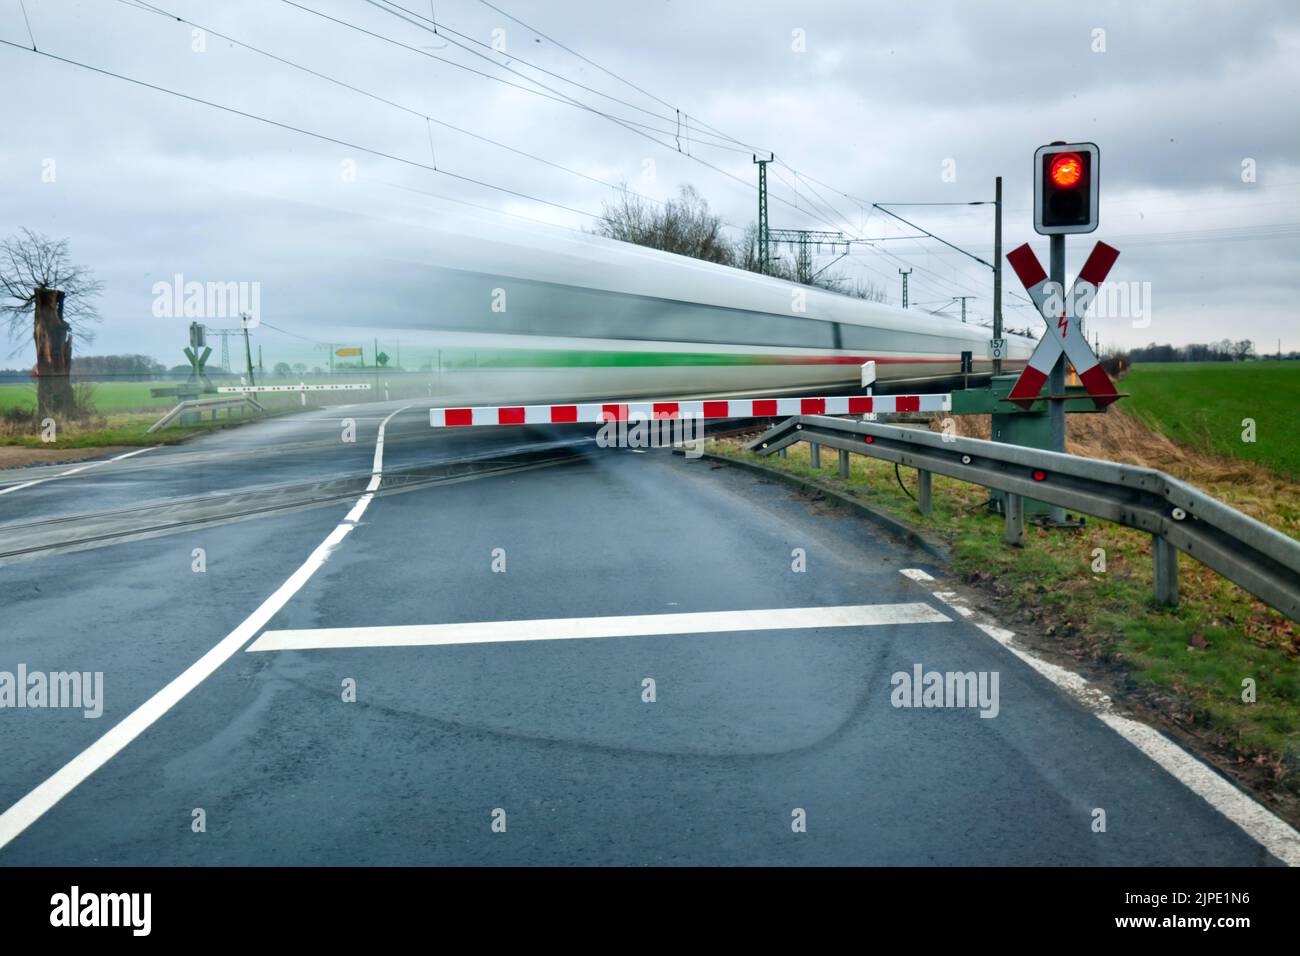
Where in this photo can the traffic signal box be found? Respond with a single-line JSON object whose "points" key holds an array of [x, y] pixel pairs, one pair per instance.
{"points": [[1066, 193]]}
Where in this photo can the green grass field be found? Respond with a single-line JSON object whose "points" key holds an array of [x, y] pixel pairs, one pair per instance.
{"points": [[109, 396], [1202, 405], [135, 397]]}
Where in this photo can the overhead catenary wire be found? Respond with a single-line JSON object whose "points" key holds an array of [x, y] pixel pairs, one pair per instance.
{"points": [[298, 129], [398, 11], [429, 120], [566, 97], [819, 210], [567, 101]]}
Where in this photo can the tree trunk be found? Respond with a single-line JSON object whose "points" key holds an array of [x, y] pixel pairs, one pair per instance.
{"points": [[54, 396]]}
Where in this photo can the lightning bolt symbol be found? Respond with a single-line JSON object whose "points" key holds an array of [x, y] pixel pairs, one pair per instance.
{"points": [[1064, 325]]}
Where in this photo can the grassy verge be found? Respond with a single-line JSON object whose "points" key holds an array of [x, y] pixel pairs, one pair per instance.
{"points": [[127, 428], [1181, 668]]}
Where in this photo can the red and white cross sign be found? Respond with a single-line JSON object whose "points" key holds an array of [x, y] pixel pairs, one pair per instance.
{"points": [[1066, 334]]}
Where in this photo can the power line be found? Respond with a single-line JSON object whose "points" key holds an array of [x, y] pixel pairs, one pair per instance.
{"points": [[818, 210], [563, 99], [566, 97], [294, 334], [819, 214], [387, 7], [142, 5], [388, 4], [298, 129]]}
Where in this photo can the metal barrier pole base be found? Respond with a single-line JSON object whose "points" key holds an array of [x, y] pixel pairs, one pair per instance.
{"points": [[1165, 579], [1015, 509], [844, 463], [815, 454]]}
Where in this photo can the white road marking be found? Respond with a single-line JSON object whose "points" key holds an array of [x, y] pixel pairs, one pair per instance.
{"points": [[954, 601], [67, 778], [574, 628], [916, 574], [73, 471], [1274, 834]]}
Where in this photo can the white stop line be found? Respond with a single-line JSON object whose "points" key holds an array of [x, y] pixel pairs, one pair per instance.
{"points": [[577, 628]]}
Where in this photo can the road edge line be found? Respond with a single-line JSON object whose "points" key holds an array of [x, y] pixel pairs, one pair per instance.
{"points": [[1253, 818], [39, 801]]}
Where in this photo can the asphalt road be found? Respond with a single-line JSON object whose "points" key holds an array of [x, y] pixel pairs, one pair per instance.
{"points": [[750, 731]]}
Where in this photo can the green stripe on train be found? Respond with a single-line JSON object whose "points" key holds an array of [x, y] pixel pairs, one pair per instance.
{"points": [[572, 358]]}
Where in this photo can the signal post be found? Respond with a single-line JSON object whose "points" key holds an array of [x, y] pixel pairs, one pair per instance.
{"points": [[1066, 199]]}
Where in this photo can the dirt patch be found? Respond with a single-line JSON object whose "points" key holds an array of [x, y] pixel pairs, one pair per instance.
{"points": [[20, 456], [1118, 436]]}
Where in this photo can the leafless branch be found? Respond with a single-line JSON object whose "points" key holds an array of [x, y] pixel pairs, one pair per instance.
{"points": [[31, 261]]}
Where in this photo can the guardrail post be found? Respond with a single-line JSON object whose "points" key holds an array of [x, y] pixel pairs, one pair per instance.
{"points": [[844, 463], [1165, 579], [781, 453], [1015, 531], [923, 498], [815, 454]]}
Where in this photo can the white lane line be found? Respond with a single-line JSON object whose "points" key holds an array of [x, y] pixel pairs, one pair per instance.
{"points": [[73, 471], [67, 778], [575, 628], [916, 574], [1274, 834]]}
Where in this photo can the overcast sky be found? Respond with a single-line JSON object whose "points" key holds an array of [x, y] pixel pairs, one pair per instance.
{"points": [[867, 101]]}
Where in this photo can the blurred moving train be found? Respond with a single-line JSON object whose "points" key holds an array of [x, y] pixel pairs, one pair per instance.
{"points": [[576, 317]]}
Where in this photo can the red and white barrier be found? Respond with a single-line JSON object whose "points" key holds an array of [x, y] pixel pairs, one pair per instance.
{"points": [[599, 412], [293, 388]]}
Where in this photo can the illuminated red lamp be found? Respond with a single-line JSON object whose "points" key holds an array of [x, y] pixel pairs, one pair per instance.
{"points": [[1067, 170], [1040, 476], [868, 439]]}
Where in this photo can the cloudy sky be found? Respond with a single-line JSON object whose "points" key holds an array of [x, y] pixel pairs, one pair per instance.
{"points": [[861, 101]]}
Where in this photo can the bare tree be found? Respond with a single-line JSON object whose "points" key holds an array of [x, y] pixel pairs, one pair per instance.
{"points": [[854, 288], [41, 287], [683, 225], [868, 290]]}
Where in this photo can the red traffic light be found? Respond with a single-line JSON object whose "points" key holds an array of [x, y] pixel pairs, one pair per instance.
{"points": [[1066, 197], [1067, 170]]}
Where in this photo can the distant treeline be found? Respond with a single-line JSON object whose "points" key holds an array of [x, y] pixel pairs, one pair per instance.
{"points": [[123, 368], [1225, 350]]}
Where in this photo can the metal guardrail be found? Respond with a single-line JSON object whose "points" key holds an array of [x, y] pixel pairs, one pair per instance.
{"points": [[201, 405], [1178, 516]]}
